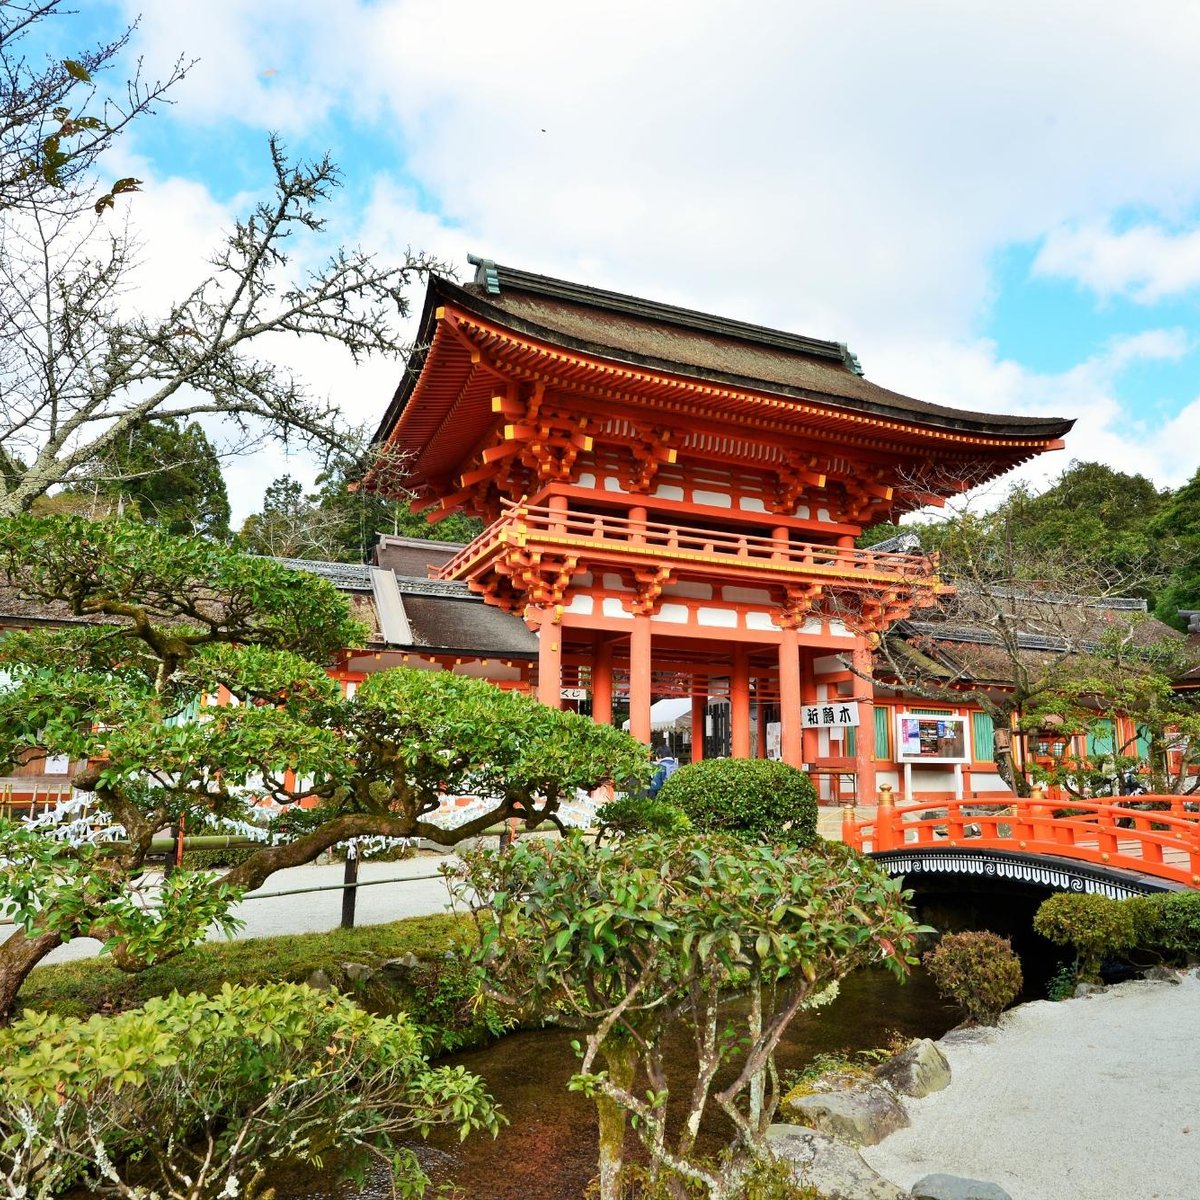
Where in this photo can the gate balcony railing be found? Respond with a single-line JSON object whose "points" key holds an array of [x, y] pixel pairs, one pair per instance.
{"points": [[608, 538]]}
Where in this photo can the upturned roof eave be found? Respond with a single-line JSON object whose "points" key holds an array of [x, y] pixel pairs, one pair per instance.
{"points": [[413, 366], [1033, 430]]}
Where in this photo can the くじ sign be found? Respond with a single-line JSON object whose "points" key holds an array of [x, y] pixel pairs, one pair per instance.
{"points": [[830, 715]]}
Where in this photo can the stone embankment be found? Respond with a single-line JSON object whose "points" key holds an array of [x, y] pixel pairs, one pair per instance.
{"points": [[1093, 1098]]}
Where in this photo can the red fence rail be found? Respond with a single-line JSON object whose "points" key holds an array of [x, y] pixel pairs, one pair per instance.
{"points": [[1155, 835]]}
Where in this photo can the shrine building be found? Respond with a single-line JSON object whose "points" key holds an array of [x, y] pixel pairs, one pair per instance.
{"points": [[672, 499]]}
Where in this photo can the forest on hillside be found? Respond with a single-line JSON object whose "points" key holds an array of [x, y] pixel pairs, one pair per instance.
{"points": [[1095, 530]]}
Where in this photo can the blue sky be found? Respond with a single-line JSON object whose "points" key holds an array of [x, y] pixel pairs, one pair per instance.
{"points": [[996, 206]]}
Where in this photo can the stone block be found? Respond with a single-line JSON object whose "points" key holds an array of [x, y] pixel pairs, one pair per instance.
{"points": [[956, 1187], [861, 1116], [919, 1070], [836, 1170]]}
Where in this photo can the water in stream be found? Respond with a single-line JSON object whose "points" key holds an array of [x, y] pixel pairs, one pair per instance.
{"points": [[548, 1149]]}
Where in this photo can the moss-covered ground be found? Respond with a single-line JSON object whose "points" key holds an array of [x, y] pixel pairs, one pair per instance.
{"points": [[436, 992]]}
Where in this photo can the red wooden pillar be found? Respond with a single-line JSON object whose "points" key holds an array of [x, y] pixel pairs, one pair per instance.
{"points": [[639, 678], [639, 648], [790, 740], [739, 703], [812, 737], [602, 688], [699, 724], [549, 685], [864, 742]]}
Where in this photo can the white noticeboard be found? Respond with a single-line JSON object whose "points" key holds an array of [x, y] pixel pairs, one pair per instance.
{"points": [[939, 739]]}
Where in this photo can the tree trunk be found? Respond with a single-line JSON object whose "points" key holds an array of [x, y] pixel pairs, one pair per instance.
{"points": [[1002, 752], [621, 1060], [758, 1083], [18, 956]]}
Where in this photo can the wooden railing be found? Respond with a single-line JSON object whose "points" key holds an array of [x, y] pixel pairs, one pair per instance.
{"points": [[524, 522], [21, 797], [1158, 835]]}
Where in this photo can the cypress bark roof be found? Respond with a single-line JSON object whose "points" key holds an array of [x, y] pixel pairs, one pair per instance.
{"points": [[685, 342]]}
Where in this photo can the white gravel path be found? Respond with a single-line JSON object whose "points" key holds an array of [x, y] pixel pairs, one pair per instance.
{"points": [[1089, 1099]]}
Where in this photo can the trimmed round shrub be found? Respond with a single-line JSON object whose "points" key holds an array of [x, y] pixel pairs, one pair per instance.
{"points": [[756, 799], [978, 971], [1096, 926], [630, 815]]}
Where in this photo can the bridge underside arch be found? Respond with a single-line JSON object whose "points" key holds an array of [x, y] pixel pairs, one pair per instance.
{"points": [[942, 870]]}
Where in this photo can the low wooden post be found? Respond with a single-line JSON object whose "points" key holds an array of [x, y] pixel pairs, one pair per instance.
{"points": [[851, 834], [1037, 815], [349, 891], [174, 858], [885, 819]]}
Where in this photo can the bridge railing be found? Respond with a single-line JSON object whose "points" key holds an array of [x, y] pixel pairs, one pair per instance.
{"points": [[1159, 835]]}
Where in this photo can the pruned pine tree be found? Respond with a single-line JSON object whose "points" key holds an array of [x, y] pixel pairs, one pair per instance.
{"points": [[153, 630]]}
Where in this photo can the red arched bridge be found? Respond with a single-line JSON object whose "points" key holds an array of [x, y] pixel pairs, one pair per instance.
{"points": [[1119, 847]]}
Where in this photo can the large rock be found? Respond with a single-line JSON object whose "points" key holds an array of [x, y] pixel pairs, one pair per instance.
{"points": [[836, 1170], [955, 1187], [862, 1116], [1162, 975], [401, 966], [919, 1070]]}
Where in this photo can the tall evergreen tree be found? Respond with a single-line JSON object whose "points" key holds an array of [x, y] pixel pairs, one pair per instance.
{"points": [[169, 472], [1177, 533], [336, 522]]}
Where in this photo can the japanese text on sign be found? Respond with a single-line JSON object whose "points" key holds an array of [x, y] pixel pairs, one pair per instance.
{"points": [[829, 716]]}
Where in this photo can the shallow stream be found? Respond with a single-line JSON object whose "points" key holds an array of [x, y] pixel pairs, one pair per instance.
{"points": [[548, 1149]]}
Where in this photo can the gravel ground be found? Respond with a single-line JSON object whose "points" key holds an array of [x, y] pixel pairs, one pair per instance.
{"points": [[316, 912], [1089, 1099]]}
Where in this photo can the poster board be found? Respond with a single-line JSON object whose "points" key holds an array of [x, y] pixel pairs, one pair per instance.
{"points": [[940, 738]]}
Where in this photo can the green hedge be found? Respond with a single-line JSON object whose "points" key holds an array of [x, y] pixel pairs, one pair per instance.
{"points": [[756, 799], [1168, 923], [1097, 926]]}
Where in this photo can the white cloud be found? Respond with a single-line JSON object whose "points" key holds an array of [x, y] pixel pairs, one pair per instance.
{"points": [[848, 171], [1146, 262], [1105, 431], [819, 165]]}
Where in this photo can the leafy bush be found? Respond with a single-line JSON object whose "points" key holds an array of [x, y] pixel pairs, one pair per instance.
{"points": [[1168, 924], [755, 799], [446, 994], [1096, 926], [206, 1097], [1061, 985], [765, 1179], [978, 971], [630, 815], [626, 940]]}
